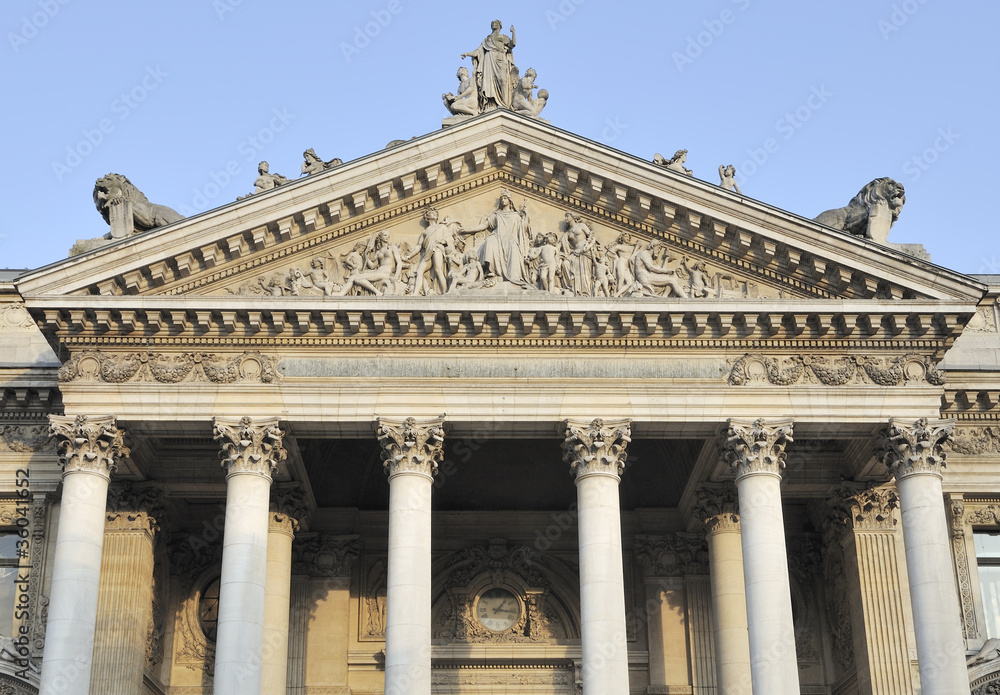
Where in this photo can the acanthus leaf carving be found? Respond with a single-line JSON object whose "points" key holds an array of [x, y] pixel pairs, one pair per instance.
{"points": [[596, 447], [717, 507], [93, 444], [868, 509], [410, 445], [919, 448], [120, 368], [248, 447], [135, 507], [756, 447]]}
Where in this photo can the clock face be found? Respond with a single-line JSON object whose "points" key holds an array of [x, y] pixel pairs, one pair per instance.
{"points": [[498, 609]]}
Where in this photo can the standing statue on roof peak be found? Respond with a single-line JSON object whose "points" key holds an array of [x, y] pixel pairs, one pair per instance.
{"points": [[493, 68]]}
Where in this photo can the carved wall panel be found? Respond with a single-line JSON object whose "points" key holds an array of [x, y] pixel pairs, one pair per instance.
{"points": [[498, 594]]}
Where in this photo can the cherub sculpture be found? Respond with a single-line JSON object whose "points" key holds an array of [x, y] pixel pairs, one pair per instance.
{"points": [[727, 174]]}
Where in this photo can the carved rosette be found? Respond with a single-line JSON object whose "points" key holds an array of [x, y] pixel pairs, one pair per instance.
{"points": [[288, 508], [757, 447], [918, 449], [871, 509], [90, 444], [411, 446], [248, 447], [596, 447], [718, 507]]}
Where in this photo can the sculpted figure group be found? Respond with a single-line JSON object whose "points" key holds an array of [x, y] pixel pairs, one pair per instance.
{"points": [[495, 83], [502, 251]]}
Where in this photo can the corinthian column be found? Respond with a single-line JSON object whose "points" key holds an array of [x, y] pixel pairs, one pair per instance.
{"points": [[89, 449], [719, 510], [411, 451], [915, 457], [595, 452], [125, 604], [756, 452], [287, 509], [250, 453]]}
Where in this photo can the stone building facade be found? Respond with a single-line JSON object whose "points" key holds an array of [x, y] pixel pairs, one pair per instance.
{"points": [[499, 409]]}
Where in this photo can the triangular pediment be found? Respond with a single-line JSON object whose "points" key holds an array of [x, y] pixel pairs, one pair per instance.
{"points": [[650, 231]]}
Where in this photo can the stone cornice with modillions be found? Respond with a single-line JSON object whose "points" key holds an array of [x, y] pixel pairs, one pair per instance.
{"points": [[730, 324], [816, 273]]}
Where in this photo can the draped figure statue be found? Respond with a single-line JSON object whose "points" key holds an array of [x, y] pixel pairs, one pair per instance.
{"points": [[492, 67]]}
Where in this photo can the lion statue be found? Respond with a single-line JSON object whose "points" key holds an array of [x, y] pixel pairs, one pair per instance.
{"points": [[114, 189], [871, 213]]}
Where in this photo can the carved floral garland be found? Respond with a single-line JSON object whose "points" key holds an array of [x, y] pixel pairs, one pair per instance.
{"points": [[849, 369], [120, 368]]}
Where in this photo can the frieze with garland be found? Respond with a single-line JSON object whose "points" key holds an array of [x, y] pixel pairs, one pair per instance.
{"points": [[26, 439], [121, 368], [835, 371], [975, 441]]}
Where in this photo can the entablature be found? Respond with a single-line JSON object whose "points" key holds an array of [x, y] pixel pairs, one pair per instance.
{"points": [[300, 323]]}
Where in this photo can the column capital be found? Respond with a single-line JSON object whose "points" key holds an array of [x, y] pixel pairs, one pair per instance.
{"points": [[288, 508], [757, 446], [868, 509], [918, 449], [135, 507], [596, 447], [248, 446], [90, 444], [411, 445], [717, 507]]}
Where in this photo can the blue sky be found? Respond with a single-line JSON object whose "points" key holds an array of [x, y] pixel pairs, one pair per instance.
{"points": [[809, 100]]}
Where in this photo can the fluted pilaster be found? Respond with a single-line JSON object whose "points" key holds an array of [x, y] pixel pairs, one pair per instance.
{"points": [[125, 602]]}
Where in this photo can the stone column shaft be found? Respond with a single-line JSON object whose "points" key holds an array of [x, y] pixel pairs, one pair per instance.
{"points": [[250, 453], [125, 603], [277, 600], [757, 451], [596, 454], [729, 606], [411, 452], [89, 450], [915, 456]]}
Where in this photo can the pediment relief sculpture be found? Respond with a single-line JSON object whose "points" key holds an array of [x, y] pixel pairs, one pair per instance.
{"points": [[505, 251]]}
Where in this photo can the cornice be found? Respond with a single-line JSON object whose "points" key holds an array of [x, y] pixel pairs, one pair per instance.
{"points": [[735, 324], [556, 164]]}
